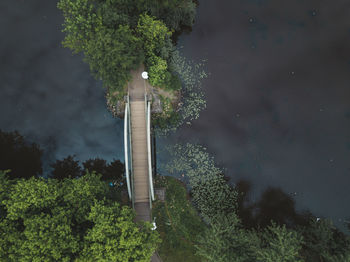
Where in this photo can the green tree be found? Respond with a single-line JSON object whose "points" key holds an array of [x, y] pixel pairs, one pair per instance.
{"points": [[5, 185], [115, 237], [117, 36], [279, 244], [112, 53], [104, 32], [176, 14], [118, 12], [105, 38], [157, 46], [22, 158], [69, 220], [154, 34], [81, 22], [323, 242], [157, 71], [225, 241]]}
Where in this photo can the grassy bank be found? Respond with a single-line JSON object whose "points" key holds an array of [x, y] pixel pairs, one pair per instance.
{"points": [[177, 222]]}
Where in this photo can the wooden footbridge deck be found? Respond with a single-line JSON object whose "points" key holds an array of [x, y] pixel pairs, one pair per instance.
{"points": [[139, 148], [137, 139]]}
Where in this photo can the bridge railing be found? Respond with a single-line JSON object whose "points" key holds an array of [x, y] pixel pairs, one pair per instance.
{"points": [[149, 155], [126, 151], [127, 146], [130, 145], [149, 152]]}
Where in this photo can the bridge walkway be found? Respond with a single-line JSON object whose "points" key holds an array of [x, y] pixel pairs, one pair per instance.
{"points": [[137, 91], [139, 146]]}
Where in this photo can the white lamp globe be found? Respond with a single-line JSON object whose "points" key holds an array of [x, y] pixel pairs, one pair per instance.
{"points": [[144, 75]]}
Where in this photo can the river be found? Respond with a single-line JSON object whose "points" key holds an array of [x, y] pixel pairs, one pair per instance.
{"points": [[278, 97], [47, 94], [278, 94]]}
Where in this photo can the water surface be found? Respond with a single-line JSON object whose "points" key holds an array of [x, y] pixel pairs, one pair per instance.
{"points": [[278, 96], [47, 94]]}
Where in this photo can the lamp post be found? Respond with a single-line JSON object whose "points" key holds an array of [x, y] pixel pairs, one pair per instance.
{"points": [[144, 75]]}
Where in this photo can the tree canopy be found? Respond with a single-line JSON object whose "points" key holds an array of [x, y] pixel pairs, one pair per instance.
{"points": [[116, 36], [68, 220], [226, 239], [323, 241]]}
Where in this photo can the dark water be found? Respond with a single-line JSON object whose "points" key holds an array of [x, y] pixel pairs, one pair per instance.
{"points": [[47, 94], [278, 96]]}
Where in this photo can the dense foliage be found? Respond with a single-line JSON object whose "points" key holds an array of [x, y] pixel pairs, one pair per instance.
{"points": [[116, 36], [156, 46], [324, 242], [226, 239], [68, 220], [177, 221]]}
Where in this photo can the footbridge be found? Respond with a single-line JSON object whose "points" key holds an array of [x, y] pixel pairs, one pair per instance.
{"points": [[137, 144]]}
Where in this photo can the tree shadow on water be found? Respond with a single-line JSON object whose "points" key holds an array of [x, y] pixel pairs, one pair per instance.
{"points": [[19, 156], [273, 205]]}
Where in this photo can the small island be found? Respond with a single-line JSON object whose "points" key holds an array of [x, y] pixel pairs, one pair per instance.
{"points": [[119, 39]]}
